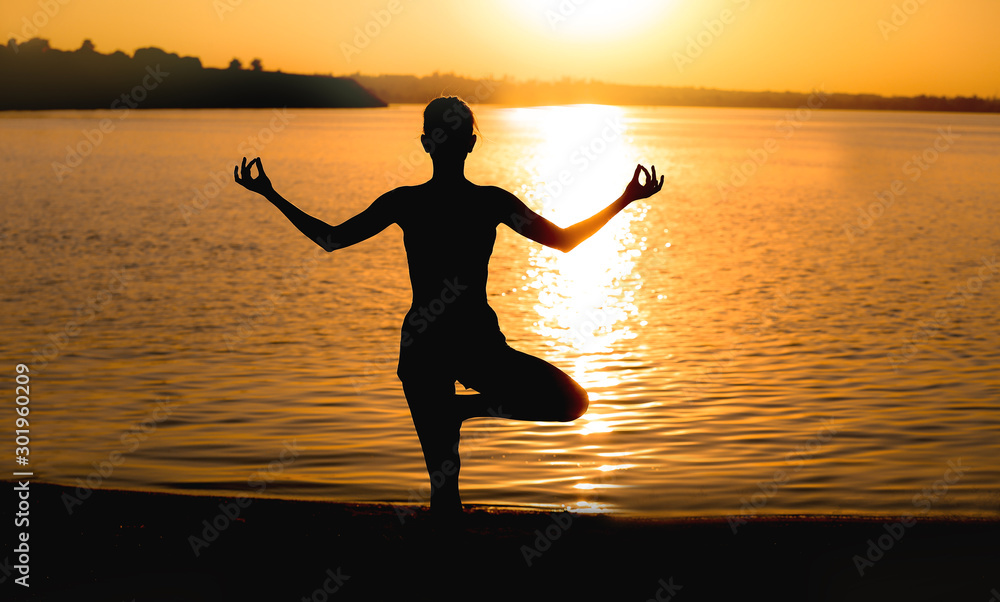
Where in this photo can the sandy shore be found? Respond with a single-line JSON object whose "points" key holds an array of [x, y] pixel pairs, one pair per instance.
{"points": [[119, 545]]}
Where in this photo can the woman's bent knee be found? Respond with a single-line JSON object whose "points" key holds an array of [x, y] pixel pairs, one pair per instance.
{"points": [[576, 404]]}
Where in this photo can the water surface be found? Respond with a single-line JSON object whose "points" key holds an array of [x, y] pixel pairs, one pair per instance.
{"points": [[764, 336]]}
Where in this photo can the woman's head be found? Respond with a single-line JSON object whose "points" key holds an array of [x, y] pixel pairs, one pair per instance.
{"points": [[449, 128]]}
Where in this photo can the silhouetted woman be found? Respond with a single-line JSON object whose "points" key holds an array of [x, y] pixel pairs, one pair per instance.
{"points": [[450, 332]]}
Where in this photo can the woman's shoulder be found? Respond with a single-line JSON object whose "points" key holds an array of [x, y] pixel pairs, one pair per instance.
{"points": [[490, 202]]}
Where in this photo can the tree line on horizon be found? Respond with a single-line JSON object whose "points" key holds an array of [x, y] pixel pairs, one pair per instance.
{"points": [[37, 76]]}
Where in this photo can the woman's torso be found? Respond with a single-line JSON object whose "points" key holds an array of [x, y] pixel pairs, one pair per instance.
{"points": [[448, 233]]}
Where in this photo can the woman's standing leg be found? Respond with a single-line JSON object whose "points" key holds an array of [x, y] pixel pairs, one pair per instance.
{"points": [[510, 384], [438, 428]]}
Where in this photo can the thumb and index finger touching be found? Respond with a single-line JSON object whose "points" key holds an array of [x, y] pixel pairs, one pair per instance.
{"points": [[650, 178], [245, 169]]}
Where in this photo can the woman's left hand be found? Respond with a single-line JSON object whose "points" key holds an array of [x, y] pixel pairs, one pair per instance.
{"points": [[261, 184], [635, 191]]}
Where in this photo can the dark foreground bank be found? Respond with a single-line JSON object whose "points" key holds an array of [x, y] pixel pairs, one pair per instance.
{"points": [[118, 545]]}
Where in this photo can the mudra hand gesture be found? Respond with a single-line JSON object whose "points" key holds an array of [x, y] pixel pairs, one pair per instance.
{"points": [[635, 191], [261, 184]]}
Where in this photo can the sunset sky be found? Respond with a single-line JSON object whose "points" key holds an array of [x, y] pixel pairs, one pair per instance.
{"points": [[879, 46]]}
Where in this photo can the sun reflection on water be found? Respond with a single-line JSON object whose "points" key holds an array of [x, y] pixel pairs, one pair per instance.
{"points": [[582, 161], [586, 300]]}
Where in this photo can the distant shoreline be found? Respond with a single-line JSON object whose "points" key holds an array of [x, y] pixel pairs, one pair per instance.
{"points": [[419, 90], [503, 105], [43, 78]]}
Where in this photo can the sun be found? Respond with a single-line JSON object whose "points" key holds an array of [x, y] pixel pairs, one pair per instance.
{"points": [[593, 19]]}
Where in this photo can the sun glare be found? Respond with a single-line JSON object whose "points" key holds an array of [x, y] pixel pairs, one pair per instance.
{"points": [[593, 19], [582, 161]]}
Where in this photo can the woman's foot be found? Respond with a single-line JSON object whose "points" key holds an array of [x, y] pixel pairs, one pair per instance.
{"points": [[446, 510]]}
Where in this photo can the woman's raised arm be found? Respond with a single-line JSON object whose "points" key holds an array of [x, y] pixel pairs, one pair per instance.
{"points": [[377, 217], [526, 222]]}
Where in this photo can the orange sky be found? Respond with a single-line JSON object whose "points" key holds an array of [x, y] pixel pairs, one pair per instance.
{"points": [[881, 46]]}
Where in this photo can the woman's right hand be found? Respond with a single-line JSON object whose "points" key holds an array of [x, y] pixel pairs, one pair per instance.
{"points": [[261, 184], [635, 191]]}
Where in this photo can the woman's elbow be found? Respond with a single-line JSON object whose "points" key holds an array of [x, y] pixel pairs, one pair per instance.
{"points": [[566, 244], [327, 243]]}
